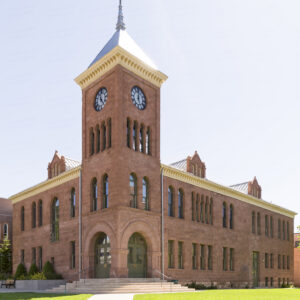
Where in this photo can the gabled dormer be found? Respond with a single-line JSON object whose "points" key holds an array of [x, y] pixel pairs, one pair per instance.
{"points": [[192, 165], [60, 164], [250, 188]]}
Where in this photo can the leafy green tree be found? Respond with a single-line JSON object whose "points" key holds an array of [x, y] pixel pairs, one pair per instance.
{"points": [[21, 271], [5, 257], [33, 269]]}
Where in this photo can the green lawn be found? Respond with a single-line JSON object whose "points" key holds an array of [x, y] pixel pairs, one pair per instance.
{"points": [[256, 294], [29, 296]]}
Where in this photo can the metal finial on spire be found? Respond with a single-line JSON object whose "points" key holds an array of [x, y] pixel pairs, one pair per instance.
{"points": [[120, 24]]}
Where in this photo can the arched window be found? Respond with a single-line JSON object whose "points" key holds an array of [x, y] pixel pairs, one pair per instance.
{"points": [[198, 209], [105, 191], [211, 211], [145, 193], [193, 206], [170, 202], [206, 210], [109, 132], [55, 220], [133, 190], [103, 136], [142, 139], [98, 139], [224, 215], [22, 218], [231, 216], [72, 203], [148, 141], [128, 132], [40, 212], [33, 215], [5, 231], [134, 133], [180, 204], [92, 144], [258, 224], [202, 209], [94, 195], [253, 222]]}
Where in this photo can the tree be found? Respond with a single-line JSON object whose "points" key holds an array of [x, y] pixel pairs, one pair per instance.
{"points": [[5, 257]]}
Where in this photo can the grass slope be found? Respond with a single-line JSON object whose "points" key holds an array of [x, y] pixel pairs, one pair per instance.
{"points": [[29, 296], [256, 294]]}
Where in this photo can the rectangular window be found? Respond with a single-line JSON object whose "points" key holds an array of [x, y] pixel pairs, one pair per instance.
{"points": [[231, 261], [202, 257], [271, 261], [170, 254], [193, 207], [288, 262], [209, 258], [194, 256], [283, 261], [33, 256], [266, 282], [40, 262], [72, 256], [266, 225], [180, 255], [283, 230], [22, 256], [52, 261], [253, 222], [272, 282], [279, 229], [266, 260], [279, 282], [224, 259], [197, 209], [258, 224], [288, 231], [279, 261], [271, 227]]}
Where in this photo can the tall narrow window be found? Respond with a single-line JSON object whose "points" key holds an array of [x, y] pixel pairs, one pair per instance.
{"points": [[266, 225], [279, 261], [133, 190], [202, 209], [180, 255], [109, 132], [231, 216], [258, 224], [33, 215], [22, 256], [180, 204], [202, 257], [266, 260], [283, 261], [271, 261], [33, 256], [279, 229], [128, 132], [209, 258], [40, 213], [170, 202], [5, 231], [193, 206], [94, 195], [170, 254], [148, 141], [206, 210], [72, 203], [145, 200], [105, 191], [283, 230], [194, 256], [253, 222], [40, 261], [98, 147], [22, 218], [103, 136], [288, 262], [55, 220], [288, 231], [134, 134], [271, 227], [198, 209], [72, 256], [224, 259], [141, 139], [211, 211], [92, 142], [231, 259], [224, 215]]}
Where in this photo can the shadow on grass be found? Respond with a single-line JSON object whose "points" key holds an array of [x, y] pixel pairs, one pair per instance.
{"points": [[29, 296]]}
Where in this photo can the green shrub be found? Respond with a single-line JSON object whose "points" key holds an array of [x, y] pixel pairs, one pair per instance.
{"points": [[49, 271], [33, 269], [38, 276], [199, 286], [21, 271]]}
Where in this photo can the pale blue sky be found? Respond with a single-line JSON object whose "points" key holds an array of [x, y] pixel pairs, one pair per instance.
{"points": [[232, 94]]}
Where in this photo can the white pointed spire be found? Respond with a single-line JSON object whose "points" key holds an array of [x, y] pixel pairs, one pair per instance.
{"points": [[120, 24]]}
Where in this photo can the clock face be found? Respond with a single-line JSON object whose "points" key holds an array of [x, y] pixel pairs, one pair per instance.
{"points": [[100, 99], [138, 98]]}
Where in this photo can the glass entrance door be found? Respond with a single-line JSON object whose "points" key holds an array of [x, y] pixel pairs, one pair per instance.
{"points": [[102, 257]]}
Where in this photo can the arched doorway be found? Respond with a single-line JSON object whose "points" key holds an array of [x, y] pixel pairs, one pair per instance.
{"points": [[102, 256], [137, 256]]}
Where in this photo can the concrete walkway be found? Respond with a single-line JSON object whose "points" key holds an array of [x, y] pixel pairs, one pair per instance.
{"points": [[112, 297]]}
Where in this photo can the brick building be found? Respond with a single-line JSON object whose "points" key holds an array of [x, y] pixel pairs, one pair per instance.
{"points": [[121, 213], [297, 259], [5, 219]]}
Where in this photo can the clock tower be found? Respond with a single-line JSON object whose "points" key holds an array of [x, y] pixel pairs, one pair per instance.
{"points": [[121, 202]]}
